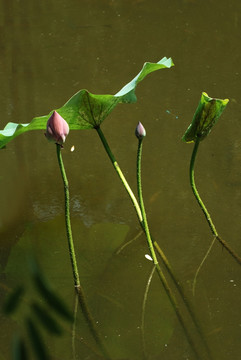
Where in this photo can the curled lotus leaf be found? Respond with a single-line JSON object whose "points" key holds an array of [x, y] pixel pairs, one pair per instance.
{"points": [[206, 115]]}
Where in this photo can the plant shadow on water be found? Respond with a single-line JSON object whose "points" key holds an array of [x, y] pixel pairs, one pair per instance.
{"points": [[113, 282]]}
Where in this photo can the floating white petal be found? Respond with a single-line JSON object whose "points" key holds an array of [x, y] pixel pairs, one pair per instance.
{"points": [[148, 257]]}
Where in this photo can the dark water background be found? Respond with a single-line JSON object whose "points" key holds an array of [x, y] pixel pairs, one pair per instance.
{"points": [[48, 51]]}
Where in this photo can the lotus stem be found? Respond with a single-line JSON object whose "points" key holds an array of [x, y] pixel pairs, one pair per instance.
{"points": [[119, 172], [203, 207], [67, 219], [81, 297], [140, 218], [162, 277], [142, 206]]}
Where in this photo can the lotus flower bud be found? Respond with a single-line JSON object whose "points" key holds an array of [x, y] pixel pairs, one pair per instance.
{"points": [[140, 131], [57, 129]]}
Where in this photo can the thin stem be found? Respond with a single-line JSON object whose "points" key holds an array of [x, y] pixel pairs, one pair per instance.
{"points": [[142, 206], [91, 323], [195, 191], [162, 277], [200, 266], [81, 297], [67, 218], [144, 310], [119, 172], [73, 336], [184, 298], [203, 207], [157, 247]]}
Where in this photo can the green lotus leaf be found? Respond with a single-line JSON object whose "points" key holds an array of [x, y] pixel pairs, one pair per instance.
{"points": [[85, 110], [206, 115]]}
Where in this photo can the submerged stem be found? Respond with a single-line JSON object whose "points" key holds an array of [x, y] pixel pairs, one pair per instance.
{"points": [[144, 310], [78, 288], [73, 335], [160, 273], [200, 266], [157, 247], [203, 207]]}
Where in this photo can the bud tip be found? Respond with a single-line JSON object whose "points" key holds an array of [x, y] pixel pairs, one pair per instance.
{"points": [[140, 131]]}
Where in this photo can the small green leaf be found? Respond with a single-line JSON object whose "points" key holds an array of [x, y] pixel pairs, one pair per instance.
{"points": [[85, 110], [36, 340], [49, 323], [13, 300], [206, 115]]}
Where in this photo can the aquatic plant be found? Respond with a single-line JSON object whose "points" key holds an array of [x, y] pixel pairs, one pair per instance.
{"points": [[57, 130], [206, 115], [85, 110]]}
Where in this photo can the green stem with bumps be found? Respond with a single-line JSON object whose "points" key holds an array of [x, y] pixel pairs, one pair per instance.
{"points": [[203, 207], [142, 206], [81, 297], [161, 275], [67, 218], [140, 218]]}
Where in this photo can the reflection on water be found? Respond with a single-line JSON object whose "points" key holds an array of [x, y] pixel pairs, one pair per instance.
{"points": [[50, 50], [46, 212]]}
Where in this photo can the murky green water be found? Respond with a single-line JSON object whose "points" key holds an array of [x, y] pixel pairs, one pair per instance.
{"points": [[51, 49]]}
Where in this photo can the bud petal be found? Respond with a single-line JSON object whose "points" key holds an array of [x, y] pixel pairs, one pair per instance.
{"points": [[57, 129], [140, 131]]}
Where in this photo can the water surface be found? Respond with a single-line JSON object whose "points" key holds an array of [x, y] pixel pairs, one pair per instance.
{"points": [[49, 51]]}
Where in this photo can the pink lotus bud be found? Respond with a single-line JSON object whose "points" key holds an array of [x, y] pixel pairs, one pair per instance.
{"points": [[140, 131], [57, 129]]}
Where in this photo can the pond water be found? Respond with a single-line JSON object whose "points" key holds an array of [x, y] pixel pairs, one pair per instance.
{"points": [[49, 51]]}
